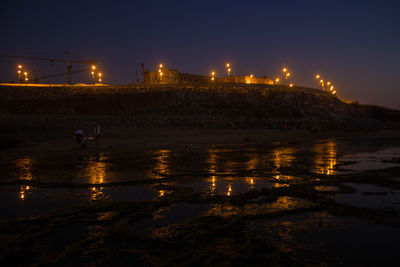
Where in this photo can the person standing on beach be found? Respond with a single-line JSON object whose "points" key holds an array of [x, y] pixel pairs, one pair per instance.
{"points": [[79, 136], [96, 131]]}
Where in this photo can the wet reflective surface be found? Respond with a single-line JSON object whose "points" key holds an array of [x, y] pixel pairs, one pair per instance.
{"points": [[293, 194], [93, 176]]}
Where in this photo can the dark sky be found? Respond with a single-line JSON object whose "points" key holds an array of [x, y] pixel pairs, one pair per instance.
{"points": [[355, 44]]}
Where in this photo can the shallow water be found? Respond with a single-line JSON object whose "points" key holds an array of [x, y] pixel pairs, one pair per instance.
{"points": [[53, 180], [370, 161], [371, 196], [337, 240]]}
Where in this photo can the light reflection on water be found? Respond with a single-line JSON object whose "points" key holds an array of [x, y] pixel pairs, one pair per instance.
{"points": [[217, 165], [326, 157], [24, 168], [282, 203], [162, 167], [212, 161], [220, 162], [283, 157], [96, 170], [162, 164]]}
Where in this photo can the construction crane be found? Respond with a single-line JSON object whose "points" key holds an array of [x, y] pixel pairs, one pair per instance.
{"points": [[67, 61]]}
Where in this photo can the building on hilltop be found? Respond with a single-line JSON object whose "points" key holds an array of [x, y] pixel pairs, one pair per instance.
{"points": [[173, 76], [251, 79]]}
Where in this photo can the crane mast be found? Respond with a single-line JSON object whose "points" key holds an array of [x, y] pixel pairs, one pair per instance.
{"points": [[67, 61]]}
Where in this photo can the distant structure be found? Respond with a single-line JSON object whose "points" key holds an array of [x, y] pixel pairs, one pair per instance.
{"points": [[173, 76], [250, 79]]}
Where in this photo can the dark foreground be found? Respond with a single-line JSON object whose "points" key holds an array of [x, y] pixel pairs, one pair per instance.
{"points": [[156, 196]]}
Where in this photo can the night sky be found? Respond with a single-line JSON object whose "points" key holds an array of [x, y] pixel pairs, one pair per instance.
{"points": [[355, 44]]}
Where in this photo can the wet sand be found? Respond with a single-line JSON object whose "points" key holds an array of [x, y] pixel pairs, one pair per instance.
{"points": [[166, 196]]}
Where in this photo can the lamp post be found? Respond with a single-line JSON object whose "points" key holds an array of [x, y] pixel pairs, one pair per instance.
{"points": [[228, 68], [100, 77], [287, 74], [26, 76], [92, 72], [19, 71], [212, 76], [160, 71]]}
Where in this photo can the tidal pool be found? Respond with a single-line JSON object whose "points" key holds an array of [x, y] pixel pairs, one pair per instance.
{"points": [[38, 182]]}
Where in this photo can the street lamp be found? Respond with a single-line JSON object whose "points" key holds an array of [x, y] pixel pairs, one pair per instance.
{"points": [[287, 75], [160, 66], [228, 66], [100, 75], [212, 75], [277, 80], [291, 85], [284, 70]]}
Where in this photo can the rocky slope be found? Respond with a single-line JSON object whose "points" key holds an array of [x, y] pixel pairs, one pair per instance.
{"points": [[191, 106]]}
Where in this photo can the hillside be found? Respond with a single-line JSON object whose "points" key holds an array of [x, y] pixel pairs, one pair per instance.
{"points": [[191, 106]]}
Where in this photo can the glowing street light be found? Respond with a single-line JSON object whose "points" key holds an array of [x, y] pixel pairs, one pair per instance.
{"points": [[284, 70], [291, 85], [251, 75], [19, 72], [228, 68], [212, 75], [160, 71], [287, 75], [93, 67], [277, 80], [317, 76], [328, 83]]}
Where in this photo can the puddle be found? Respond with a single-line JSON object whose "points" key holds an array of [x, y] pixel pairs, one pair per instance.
{"points": [[24, 201], [370, 196], [177, 213], [322, 239], [281, 204], [226, 186], [213, 170], [326, 188], [369, 161]]}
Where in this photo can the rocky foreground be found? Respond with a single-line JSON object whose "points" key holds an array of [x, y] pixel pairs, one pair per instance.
{"points": [[258, 107]]}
